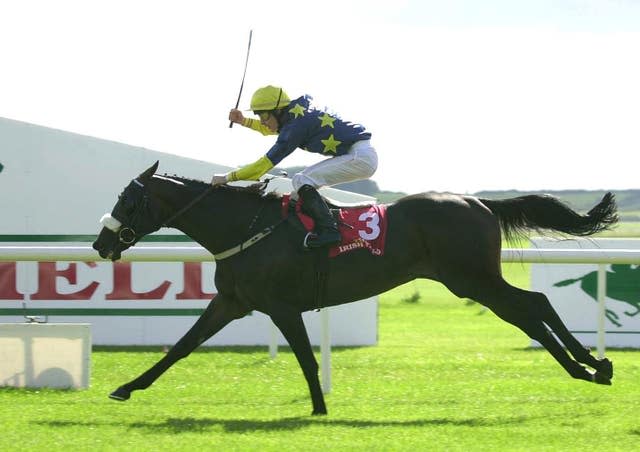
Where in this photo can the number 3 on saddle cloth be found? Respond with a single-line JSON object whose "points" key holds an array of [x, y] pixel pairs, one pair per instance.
{"points": [[360, 227]]}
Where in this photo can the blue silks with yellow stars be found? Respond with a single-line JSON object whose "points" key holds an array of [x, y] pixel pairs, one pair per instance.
{"points": [[303, 127], [314, 130]]}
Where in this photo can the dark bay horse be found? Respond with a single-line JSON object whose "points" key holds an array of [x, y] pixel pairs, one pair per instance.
{"points": [[448, 238]]}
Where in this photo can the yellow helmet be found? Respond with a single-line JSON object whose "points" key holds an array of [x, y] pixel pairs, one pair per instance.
{"points": [[269, 98]]}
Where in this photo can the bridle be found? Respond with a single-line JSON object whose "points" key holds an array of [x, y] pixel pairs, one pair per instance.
{"points": [[128, 236]]}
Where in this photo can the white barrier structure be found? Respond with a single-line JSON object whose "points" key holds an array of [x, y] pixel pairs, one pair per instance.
{"points": [[199, 254], [571, 256], [127, 303]]}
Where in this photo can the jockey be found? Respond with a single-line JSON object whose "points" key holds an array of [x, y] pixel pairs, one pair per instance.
{"points": [[300, 125]]}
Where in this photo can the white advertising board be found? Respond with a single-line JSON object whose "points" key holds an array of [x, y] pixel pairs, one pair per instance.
{"points": [[55, 187], [572, 290]]}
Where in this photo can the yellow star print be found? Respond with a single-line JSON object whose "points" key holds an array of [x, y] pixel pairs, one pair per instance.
{"points": [[326, 120], [330, 144], [297, 110]]}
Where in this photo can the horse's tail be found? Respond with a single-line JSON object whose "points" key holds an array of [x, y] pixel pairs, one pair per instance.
{"points": [[540, 212]]}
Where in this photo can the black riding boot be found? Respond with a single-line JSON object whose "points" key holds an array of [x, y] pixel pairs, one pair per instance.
{"points": [[326, 227]]}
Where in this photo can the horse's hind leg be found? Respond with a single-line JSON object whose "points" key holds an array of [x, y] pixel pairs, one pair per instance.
{"points": [[603, 367], [216, 316], [573, 368], [518, 307]]}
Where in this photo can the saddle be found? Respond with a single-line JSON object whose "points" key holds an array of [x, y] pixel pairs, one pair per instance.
{"points": [[361, 226]]}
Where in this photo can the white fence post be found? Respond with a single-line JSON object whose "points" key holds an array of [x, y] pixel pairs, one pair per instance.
{"points": [[325, 351], [273, 341], [602, 295]]}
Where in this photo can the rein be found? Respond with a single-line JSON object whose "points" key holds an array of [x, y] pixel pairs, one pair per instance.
{"points": [[191, 203]]}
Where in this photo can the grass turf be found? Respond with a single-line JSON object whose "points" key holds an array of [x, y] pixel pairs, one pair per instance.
{"points": [[446, 375]]}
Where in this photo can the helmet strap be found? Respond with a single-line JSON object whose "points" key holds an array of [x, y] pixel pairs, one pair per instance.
{"points": [[280, 115]]}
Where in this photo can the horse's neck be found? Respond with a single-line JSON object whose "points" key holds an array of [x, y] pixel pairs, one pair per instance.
{"points": [[224, 218]]}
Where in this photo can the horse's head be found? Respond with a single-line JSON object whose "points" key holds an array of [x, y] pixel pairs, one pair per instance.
{"points": [[131, 218]]}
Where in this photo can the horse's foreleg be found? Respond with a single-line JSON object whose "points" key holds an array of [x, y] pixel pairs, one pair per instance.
{"points": [[216, 316], [292, 327]]}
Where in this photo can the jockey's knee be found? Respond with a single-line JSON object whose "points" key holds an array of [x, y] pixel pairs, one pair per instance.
{"points": [[300, 179]]}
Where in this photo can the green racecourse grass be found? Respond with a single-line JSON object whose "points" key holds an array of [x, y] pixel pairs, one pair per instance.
{"points": [[445, 376]]}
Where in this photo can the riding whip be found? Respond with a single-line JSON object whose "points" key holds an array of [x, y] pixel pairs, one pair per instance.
{"points": [[243, 75]]}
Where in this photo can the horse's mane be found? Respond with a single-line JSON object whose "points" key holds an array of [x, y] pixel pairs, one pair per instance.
{"points": [[257, 189]]}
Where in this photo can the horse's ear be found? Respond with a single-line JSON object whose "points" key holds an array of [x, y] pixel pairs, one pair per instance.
{"points": [[149, 171]]}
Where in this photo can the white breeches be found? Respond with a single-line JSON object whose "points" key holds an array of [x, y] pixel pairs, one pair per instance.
{"points": [[359, 163]]}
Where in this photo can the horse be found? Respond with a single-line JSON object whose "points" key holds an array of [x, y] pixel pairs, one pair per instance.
{"points": [[453, 239]]}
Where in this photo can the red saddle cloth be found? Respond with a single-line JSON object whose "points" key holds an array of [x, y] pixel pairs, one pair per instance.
{"points": [[360, 227]]}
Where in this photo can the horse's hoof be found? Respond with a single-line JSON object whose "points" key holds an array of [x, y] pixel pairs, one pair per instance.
{"points": [[606, 368], [601, 379], [120, 394], [319, 412]]}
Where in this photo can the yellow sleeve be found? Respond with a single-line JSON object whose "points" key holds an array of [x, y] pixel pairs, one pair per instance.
{"points": [[252, 171], [257, 126]]}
